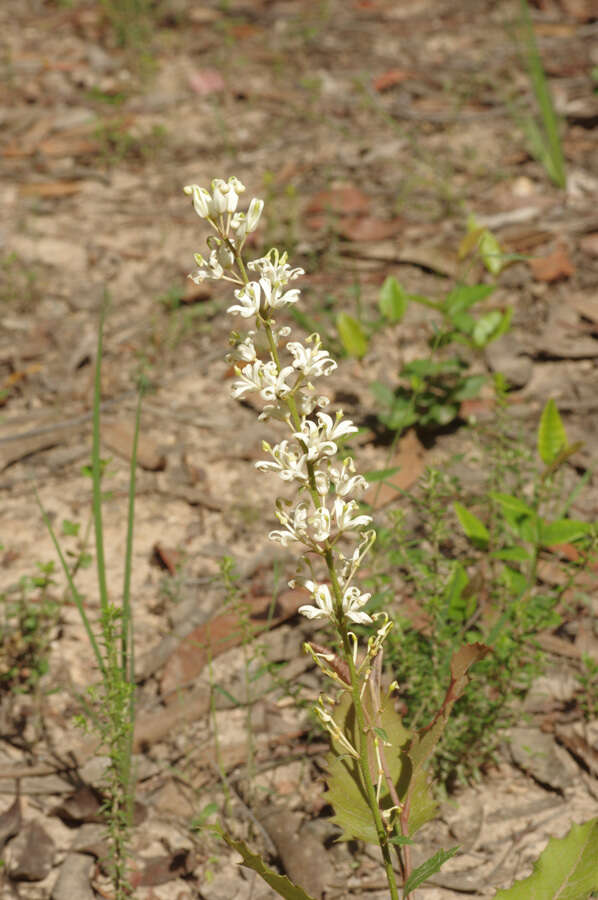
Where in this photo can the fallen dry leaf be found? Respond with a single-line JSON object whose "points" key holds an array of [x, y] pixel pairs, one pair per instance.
{"points": [[221, 633], [589, 244], [553, 267], [118, 437], [162, 869], [410, 460], [389, 78], [10, 821], [364, 228], [206, 81], [50, 188], [342, 201], [167, 558]]}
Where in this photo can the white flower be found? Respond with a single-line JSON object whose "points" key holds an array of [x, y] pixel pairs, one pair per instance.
{"points": [[224, 197], [345, 482], [309, 527], [320, 440], [275, 268], [323, 608], [311, 360], [353, 600], [249, 301], [334, 430], [314, 442], [275, 385], [251, 378], [289, 464], [262, 377], [275, 297], [346, 520], [245, 223], [295, 525], [244, 350], [201, 199], [211, 268], [319, 524]]}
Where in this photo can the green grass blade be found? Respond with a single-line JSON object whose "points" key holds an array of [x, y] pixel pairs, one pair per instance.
{"points": [[127, 647], [77, 599], [553, 144], [96, 466]]}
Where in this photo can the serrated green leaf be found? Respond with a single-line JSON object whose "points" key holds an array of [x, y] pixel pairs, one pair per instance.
{"points": [[428, 868], [345, 792], [473, 527], [351, 334], [567, 869], [280, 883], [552, 437], [392, 300], [563, 531]]}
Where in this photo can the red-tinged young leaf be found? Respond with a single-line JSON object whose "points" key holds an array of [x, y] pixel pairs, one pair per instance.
{"points": [[424, 743]]}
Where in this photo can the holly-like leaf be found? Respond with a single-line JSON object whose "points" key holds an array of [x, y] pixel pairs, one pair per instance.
{"points": [[280, 883], [552, 437], [567, 869], [345, 790]]}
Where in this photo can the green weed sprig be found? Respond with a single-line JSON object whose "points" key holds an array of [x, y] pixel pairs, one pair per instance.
{"points": [[111, 703]]}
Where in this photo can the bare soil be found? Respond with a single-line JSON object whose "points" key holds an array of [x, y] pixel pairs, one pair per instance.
{"points": [[372, 128]]}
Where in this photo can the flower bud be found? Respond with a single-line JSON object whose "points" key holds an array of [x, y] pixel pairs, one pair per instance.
{"points": [[253, 213], [201, 200]]}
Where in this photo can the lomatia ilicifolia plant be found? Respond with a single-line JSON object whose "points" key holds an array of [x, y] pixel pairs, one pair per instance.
{"points": [[378, 784]]}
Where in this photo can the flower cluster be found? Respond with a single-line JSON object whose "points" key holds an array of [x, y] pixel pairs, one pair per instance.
{"points": [[326, 516]]}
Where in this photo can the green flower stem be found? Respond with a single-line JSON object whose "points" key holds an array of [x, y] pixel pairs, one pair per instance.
{"points": [[364, 764]]}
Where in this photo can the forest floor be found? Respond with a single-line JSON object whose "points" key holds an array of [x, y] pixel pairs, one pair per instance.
{"points": [[372, 129]]}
